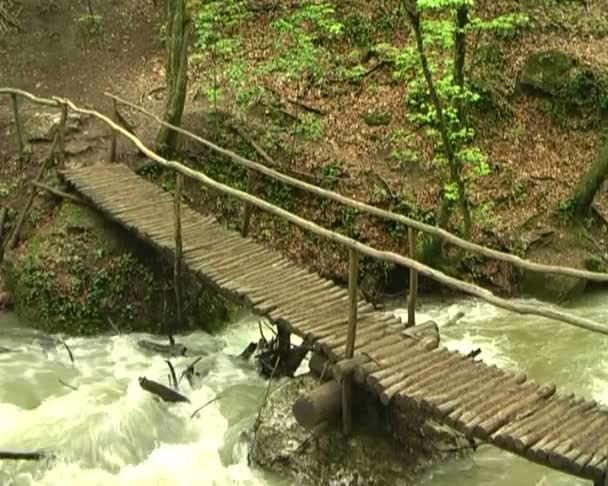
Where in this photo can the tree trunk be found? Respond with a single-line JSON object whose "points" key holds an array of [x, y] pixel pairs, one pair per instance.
{"points": [[178, 33], [589, 184], [453, 162], [460, 48]]}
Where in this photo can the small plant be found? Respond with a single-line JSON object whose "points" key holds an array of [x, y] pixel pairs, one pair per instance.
{"points": [[332, 172]]}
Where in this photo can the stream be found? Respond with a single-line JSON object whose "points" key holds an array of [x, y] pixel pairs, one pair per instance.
{"points": [[111, 432]]}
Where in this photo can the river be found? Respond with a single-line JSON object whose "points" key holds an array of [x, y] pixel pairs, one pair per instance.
{"points": [[111, 432]]}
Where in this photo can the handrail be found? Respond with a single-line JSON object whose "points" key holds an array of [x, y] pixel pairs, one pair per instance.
{"points": [[468, 288], [375, 211]]}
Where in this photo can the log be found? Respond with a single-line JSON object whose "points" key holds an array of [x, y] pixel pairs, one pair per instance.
{"points": [[248, 351], [171, 349], [319, 365], [424, 330], [163, 392], [321, 404], [347, 367], [25, 455], [459, 315]]}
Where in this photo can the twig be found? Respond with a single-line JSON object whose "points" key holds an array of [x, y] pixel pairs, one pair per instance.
{"points": [[174, 383], [189, 369], [75, 388], [112, 325], [68, 350], [217, 397]]}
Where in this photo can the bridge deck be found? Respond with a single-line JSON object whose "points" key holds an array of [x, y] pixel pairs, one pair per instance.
{"points": [[496, 406]]}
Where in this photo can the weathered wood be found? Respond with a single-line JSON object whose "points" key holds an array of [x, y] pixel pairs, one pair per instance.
{"points": [[413, 287], [321, 404], [347, 367], [18, 131], [114, 134], [177, 264], [248, 208], [163, 392], [61, 136]]}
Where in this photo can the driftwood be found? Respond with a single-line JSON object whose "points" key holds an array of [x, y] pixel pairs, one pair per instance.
{"points": [[163, 392], [172, 349], [425, 329], [189, 371], [321, 404], [248, 351], [173, 379], [75, 388], [25, 455]]}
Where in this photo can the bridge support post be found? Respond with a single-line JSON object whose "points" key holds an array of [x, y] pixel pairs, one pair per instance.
{"points": [[248, 209], [61, 136], [113, 147], [177, 268], [347, 380], [413, 287], [17, 127]]}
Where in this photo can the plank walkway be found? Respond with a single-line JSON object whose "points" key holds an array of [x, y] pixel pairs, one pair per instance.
{"points": [[560, 431]]}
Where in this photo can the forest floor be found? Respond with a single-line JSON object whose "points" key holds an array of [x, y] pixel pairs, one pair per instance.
{"points": [[535, 161]]}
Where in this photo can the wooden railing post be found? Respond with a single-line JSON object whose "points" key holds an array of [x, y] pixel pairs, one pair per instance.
{"points": [[413, 287], [113, 147], [61, 136], [347, 382], [248, 208], [177, 268], [20, 146]]}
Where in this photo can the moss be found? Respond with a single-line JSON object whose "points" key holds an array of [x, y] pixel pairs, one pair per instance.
{"points": [[377, 117], [72, 274]]}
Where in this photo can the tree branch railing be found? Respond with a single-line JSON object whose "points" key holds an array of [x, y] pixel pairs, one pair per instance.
{"points": [[516, 306], [375, 211], [355, 247]]}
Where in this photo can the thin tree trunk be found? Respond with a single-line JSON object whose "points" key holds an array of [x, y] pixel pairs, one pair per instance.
{"points": [[589, 184], [178, 29], [453, 162], [460, 48]]}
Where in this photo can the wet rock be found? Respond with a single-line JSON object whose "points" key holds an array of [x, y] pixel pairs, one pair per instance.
{"points": [[547, 71], [6, 300], [552, 288], [371, 456], [41, 126]]}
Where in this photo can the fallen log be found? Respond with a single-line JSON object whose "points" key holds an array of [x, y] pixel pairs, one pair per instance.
{"points": [[248, 351], [163, 392], [172, 349], [321, 404], [25, 455]]}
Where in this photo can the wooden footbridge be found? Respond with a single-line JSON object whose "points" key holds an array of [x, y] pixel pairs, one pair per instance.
{"points": [[531, 420]]}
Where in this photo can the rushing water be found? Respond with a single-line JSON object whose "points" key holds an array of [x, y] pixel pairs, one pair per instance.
{"points": [[111, 432]]}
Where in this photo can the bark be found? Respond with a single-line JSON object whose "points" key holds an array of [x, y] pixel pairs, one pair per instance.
{"points": [[589, 184], [462, 20], [178, 34], [453, 162]]}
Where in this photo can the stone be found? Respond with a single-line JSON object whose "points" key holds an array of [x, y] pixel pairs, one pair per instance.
{"points": [[547, 71], [323, 457], [551, 288]]}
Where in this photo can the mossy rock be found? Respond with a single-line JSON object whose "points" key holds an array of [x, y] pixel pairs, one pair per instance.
{"points": [[80, 268], [550, 287], [573, 87]]}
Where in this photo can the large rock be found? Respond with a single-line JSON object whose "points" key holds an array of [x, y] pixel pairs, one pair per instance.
{"points": [[550, 287], [77, 268], [574, 87], [371, 456]]}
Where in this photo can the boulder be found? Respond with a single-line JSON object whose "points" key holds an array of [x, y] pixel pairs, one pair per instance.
{"points": [[547, 72], [323, 457], [551, 288]]}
